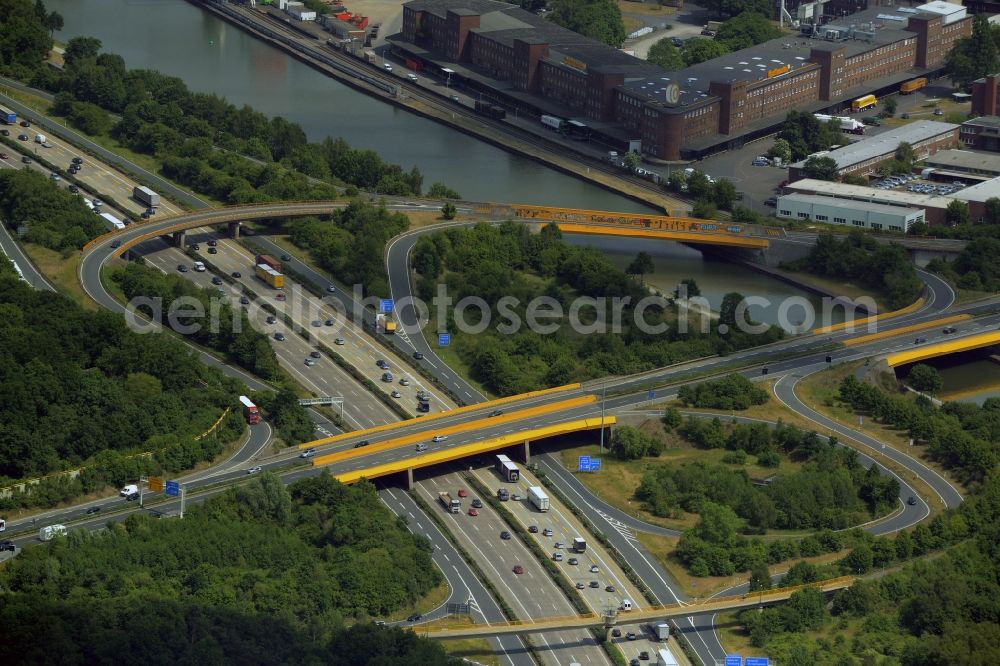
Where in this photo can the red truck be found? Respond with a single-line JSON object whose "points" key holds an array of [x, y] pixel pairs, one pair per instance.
{"points": [[250, 411]]}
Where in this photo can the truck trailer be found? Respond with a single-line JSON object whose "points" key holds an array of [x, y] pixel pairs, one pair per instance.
{"points": [[507, 469], [665, 658], [146, 196], [49, 532], [662, 631], [384, 324], [7, 116], [270, 276], [452, 504], [491, 110], [849, 125], [579, 544], [250, 411], [554, 122], [268, 260], [912, 85], [538, 497]]}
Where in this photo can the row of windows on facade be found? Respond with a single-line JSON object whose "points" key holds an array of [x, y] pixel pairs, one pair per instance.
{"points": [[840, 220]]}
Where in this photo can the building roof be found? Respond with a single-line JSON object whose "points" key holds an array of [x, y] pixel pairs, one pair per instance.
{"points": [[848, 204], [980, 192], [885, 143], [966, 160], [950, 11], [984, 121], [863, 193]]}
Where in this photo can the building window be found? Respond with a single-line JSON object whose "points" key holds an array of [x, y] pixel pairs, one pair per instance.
{"points": [[803, 216], [840, 220], [822, 218], [785, 213], [858, 223], [876, 225], [895, 227]]}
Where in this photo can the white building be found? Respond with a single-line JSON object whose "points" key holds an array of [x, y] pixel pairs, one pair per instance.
{"points": [[300, 11], [863, 214]]}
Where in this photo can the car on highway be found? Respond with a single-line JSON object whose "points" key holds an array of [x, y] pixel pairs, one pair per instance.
{"points": [[92, 510], [310, 362], [26, 160], [338, 341], [920, 341], [216, 280], [473, 511], [631, 636], [330, 288], [285, 257], [211, 250], [316, 322], [644, 655], [547, 531], [315, 354], [616, 633], [404, 382], [396, 394], [25, 123], [362, 444], [244, 300], [181, 268], [280, 296], [595, 584], [505, 535], [271, 319], [115, 244], [558, 544], [572, 560], [382, 364], [533, 529], [254, 470], [97, 202], [387, 378], [948, 330], [416, 617], [496, 412], [22, 137], [280, 337], [462, 492], [73, 188], [212, 243], [609, 588], [595, 569], [439, 438], [557, 557], [911, 500], [77, 160], [330, 322], [580, 585], [4, 156], [7, 544], [634, 662], [516, 497], [308, 453], [478, 503], [418, 356]]}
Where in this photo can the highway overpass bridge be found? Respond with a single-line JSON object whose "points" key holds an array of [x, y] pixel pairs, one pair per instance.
{"points": [[613, 617], [955, 346]]}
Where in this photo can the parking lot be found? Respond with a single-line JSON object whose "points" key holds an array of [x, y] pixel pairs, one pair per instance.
{"points": [[913, 183]]}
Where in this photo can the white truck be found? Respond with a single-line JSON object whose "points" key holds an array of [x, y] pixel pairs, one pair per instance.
{"points": [[665, 658], [538, 498], [49, 532], [579, 544], [452, 504], [146, 196], [662, 631], [40, 138]]}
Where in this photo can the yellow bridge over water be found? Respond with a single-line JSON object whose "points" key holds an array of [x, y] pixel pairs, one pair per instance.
{"points": [[943, 348]]}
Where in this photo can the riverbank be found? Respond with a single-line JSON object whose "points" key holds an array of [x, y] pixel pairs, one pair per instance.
{"points": [[364, 78]]}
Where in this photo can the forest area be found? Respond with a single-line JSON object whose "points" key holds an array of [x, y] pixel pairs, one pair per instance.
{"points": [[263, 574]]}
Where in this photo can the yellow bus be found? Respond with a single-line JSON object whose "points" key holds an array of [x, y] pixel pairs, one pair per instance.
{"points": [[862, 103]]}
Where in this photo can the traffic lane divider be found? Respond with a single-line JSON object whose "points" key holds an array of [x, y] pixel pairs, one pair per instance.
{"points": [[425, 435], [430, 417], [912, 307], [466, 450], [850, 342]]}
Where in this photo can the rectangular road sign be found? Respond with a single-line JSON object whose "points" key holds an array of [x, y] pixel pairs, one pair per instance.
{"points": [[756, 661], [734, 660], [650, 395], [584, 464], [595, 464], [444, 339], [173, 488], [385, 305], [156, 484]]}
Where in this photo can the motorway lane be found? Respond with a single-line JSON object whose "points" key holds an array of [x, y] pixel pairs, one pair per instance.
{"points": [[14, 252], [304, 308], [531, 595], [323, 379], [465, 587]]}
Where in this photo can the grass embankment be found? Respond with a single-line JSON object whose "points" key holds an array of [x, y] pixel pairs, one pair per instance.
{"points": [[425, 604], [61, 271]]}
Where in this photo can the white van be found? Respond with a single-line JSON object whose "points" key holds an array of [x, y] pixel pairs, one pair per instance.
{"points": [[626, 605], [130, 489], [39, 138], [199, 267], [48, 532], [422, 446]]}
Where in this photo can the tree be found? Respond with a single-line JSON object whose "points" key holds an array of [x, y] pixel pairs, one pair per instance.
{"points": [[760, 577], [992, 212], [632, 160], [442, 191], [746, 30], [820, 168], [699, 49], [641, 265], [54, 22], [598, 19], [975, 56], [925, 378], [664, 54], [957, 213], [853, 179], [781, 149], [724, 193], [448, 211], [736, 7], [703, 209], [717, 525], [889, 105], [699, 186], [905, 154], [677, 181], [687, 288], [79, 50], [671, 418]]}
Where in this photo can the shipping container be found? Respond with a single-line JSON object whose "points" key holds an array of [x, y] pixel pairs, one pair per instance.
{"points": [[913, 86]]}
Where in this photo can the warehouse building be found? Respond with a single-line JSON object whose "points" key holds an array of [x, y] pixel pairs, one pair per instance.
{"points": [[976, 196], [861, 214], [964, 165], [519, 60], [864, 157], [933, 205], [982, 133]]}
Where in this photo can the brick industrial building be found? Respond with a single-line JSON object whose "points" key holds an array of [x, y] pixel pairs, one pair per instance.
{"points": [[524, 62]]}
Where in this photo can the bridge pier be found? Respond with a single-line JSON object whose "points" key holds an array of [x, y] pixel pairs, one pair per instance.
{"points": [[180, 239], [409, 478], [527, 452], [234, 230]]}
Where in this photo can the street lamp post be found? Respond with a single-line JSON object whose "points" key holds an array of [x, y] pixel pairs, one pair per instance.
{"points": [[604, 390]]}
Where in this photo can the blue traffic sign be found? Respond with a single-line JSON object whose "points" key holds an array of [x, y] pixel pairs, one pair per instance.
{"points": [[584, 464], [595, 464], [444, 339], [734, 660], [650, 395], [385, 306], [173, 488], [756, 661]]}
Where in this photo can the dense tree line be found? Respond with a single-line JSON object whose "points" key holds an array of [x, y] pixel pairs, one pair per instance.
{"points": [[600, 20], [731, 392], [507, 260], [351, 244], [79, 387], [976, 267], [806, 135], [262, 574], [884, 268], [629, 443], [53, 217], [961, 436], [229, 332], [25, 38]]}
